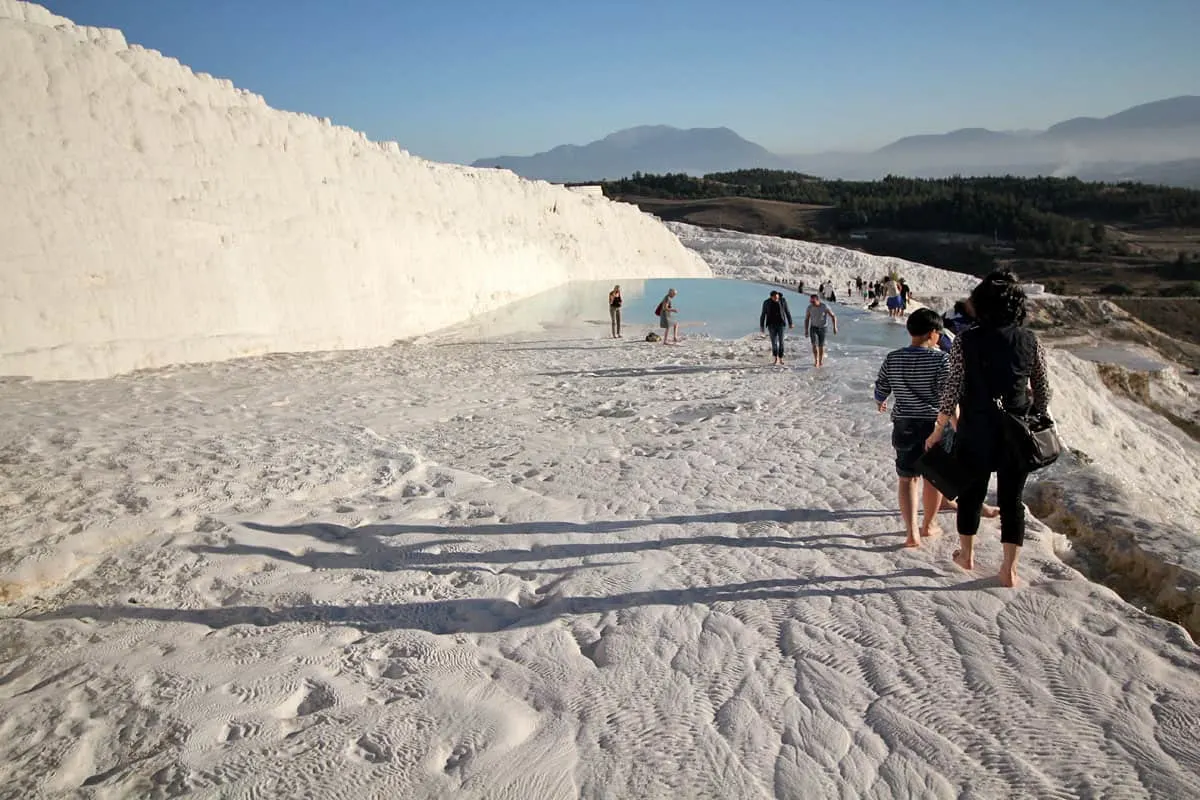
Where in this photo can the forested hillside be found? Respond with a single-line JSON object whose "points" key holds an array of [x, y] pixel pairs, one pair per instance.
{"points": [[1050, 217]]}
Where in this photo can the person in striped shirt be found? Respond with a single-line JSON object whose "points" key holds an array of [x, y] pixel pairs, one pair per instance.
{"points": [[915, 376]]}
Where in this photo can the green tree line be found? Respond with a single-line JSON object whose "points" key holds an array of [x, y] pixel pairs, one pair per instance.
{"points": [[1040, 216]]}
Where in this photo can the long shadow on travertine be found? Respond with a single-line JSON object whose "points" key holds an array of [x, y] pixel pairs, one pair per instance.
{"points": [[780, 516], [432, 556], [489, 615], [561, 347], [642, 372]]}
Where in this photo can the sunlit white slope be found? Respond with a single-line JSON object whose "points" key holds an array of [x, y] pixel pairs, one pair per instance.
{"points": [[150, 215], [776, 260]]}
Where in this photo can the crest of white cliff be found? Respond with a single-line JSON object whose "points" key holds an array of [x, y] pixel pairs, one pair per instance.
{"points": [[151, 215]]}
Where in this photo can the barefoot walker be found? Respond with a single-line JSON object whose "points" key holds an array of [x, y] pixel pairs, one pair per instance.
{"points": [[774, 316], [664, 311], [614, 311], [915, 375], [816, 318], [999, 361]]}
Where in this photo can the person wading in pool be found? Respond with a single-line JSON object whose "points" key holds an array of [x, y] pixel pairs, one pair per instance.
{"points": [[774, 316], [816, 318]]}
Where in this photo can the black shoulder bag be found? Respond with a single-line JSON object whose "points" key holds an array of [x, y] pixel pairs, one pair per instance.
{"points": [[1032, 438]]}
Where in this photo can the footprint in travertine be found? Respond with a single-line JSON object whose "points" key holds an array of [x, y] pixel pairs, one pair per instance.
{"points": [[459, 758], [369, 750], [310, 698], [616, 408], [417, 490], [236, 730]]}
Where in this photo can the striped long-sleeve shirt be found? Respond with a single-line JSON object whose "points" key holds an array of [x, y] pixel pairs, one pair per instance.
{"points": [[916, 376]]}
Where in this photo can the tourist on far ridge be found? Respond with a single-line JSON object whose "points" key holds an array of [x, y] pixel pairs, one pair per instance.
{"points": [[998, 359], [614, 311], [774, 316]]}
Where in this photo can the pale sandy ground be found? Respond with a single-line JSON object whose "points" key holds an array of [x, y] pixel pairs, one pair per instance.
{"points": [[553, 566]]}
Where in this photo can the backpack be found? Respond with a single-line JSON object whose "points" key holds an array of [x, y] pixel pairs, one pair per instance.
{"points": [[658, 309]]}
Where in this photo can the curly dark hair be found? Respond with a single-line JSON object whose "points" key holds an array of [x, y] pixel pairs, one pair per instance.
{"points": [[999, 300]]}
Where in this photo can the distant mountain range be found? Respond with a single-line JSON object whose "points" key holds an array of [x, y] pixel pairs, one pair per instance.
{"points": [[1156, 142], [648, 148]]}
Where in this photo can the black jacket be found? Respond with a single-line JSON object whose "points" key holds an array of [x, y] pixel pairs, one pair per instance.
{"points": [[997, 363], [773, 314]]}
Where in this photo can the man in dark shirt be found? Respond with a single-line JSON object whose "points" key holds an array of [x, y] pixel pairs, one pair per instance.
{"points": [[772, 319]]}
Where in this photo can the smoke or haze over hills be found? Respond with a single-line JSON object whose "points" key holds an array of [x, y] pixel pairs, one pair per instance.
{"points": [[1158, 141], [648, 148]]}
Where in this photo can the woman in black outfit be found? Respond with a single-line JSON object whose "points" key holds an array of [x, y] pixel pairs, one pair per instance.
{"points": [[998, 360]]}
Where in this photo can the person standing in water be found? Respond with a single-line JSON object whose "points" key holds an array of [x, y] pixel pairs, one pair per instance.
{"points": [[614, 311], [891, 291], [816, 318], [774, 316], [665, 309]]}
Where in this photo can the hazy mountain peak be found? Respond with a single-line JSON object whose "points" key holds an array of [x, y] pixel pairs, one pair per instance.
{"points": [[1172, 112], [1118, 145], [644, 148]]}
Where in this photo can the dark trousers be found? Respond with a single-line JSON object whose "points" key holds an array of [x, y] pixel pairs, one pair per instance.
{"points": [[776, 333], [1010, 485]]}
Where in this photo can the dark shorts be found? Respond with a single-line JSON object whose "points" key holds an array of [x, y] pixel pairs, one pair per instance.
{"points": [[817, 334], [908, 437], [895, 302]]}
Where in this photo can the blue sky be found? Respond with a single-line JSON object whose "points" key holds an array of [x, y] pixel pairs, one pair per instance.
{"points": [[457, 80]]}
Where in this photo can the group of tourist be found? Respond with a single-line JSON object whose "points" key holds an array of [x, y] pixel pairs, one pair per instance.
{"points": [[951, 400], [817, 317], [947, 386], [665, 311]]}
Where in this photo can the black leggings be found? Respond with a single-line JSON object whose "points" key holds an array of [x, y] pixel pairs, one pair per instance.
{"points": [[1010, 485]]}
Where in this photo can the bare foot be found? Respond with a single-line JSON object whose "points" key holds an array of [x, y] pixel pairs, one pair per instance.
{"points": [[963, 561], [990, 512], [913, 542], [931, 531], [1008, 578]]}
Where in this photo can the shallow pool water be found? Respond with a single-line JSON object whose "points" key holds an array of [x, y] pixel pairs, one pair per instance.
{"points": [[714, 308]]}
